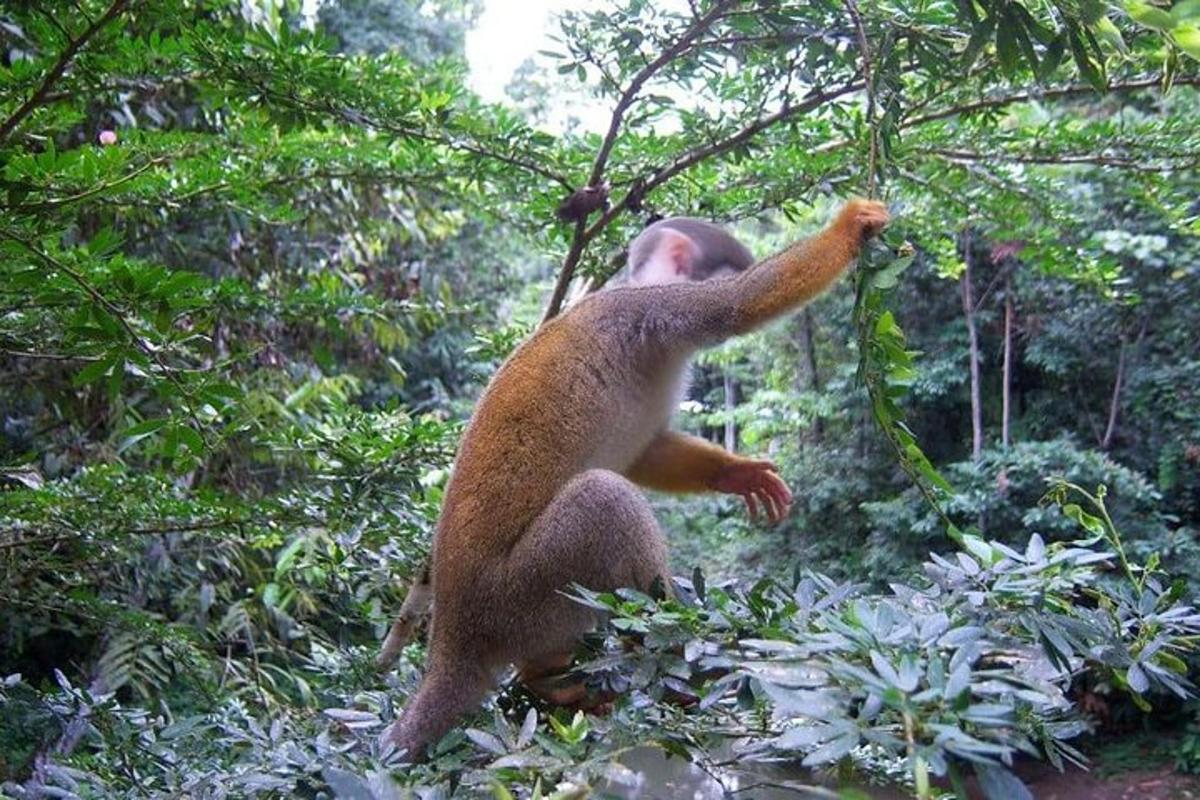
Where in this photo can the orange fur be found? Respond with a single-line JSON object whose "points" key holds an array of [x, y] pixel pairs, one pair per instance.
{"points": [[537, 500], [676, 462], [804, 270]]}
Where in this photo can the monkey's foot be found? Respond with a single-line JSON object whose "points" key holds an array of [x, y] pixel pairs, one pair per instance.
{"points": [[566, 692]]}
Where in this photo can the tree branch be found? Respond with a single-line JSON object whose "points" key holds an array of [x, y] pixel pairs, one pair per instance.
{"points": [[355, 117], [1073, 90], [630, 94], [1178, 160], [581, 236], [59, 67], [691, 158], [864, 52], [56, 202]]}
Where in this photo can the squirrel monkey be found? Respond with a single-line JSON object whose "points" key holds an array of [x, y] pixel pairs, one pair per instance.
{"points": [[542, 494], [668, 251]]}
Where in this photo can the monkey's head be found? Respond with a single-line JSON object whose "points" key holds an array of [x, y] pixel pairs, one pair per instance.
{"points": [[684, 249]]}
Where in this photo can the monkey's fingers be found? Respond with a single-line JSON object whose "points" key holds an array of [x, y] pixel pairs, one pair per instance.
{"points": [[778, 487], [751, 506], [769, 503], [760, 495], [764, 464], [770, 490]]}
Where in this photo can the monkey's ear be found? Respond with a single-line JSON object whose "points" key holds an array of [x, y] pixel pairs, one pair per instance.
{"points": [[679, 251]]}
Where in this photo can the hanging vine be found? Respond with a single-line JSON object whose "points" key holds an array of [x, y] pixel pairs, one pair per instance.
{"points": [[885, 366]]}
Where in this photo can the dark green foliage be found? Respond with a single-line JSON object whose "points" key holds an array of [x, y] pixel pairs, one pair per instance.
{"points": [[256, 265], [1003, 495]]}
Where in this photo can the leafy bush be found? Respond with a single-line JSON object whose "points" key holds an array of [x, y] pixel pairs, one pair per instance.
{"points": [[967, 669], [964, 670], [1003, 495]]}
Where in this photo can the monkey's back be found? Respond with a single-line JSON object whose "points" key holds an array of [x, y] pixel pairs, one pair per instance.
{"points": [[589, 389]]}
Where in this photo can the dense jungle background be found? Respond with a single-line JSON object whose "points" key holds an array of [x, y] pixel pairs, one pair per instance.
{"points": [[258, 259]]}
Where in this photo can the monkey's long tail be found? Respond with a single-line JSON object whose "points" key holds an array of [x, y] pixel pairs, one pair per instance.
{"points": [[444, 695], [415, 608]]}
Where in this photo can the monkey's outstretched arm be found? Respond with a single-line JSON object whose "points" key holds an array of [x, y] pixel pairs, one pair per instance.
{"points": [[676, 462], [800, 273]]}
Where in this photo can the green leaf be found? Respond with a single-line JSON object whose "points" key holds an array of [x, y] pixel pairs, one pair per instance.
{"points": [[1006, 46], [191, 439], [1135, 676], [998, 783], [1107, 30], [501, 791], [1186, 11], [94, 371], [287, 557], [346, 785], [1187, 37], [1152, 17], [1091, 70], [981, 34]]}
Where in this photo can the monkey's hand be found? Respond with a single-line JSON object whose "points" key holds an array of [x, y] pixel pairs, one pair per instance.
{"points": [[756, 482], [860, 220]]}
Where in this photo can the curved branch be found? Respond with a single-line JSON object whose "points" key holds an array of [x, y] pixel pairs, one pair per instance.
{"points": [[864, 52], [1072, 90], [1174, 161], [59, 67], [353, 116], [580, 236], [630, 94], [691, 158]]}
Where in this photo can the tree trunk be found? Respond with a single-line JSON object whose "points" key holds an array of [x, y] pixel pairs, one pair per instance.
{"points": [[973, 344], [808, 340], [1114, 405], [809, 379], [730, 405], [1006, 397]]}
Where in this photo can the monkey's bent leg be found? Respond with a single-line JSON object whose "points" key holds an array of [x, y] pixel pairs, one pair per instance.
{"points": [[449, 689], [599, 532]]}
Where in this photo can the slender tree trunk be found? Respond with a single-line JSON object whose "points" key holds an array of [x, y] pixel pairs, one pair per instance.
{"points": [[730, 405], [809, 378], [810, 348], [1006, 398], [973, 345], [1114, 405]]}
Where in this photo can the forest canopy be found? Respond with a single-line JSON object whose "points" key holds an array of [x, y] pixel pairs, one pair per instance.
{"points": [[259, 259]]}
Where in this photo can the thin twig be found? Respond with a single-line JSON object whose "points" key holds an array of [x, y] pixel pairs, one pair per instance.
{"points": [[868, 81], [1176, 161], [1073, 90], [1059, 93], [46, 356], [57, 202]]}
